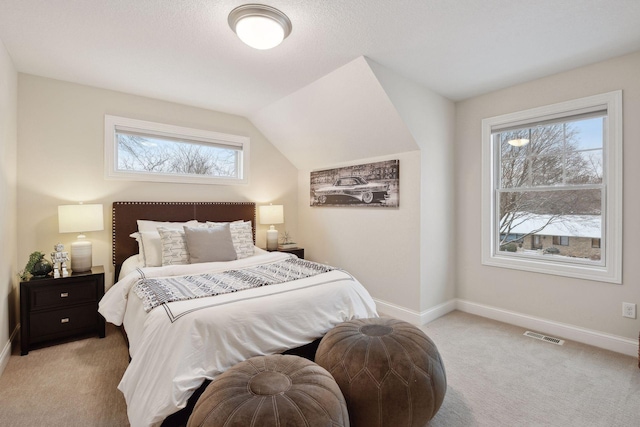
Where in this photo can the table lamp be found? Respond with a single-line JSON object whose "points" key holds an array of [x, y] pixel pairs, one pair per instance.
{"points": [[80, 219], [272, 214]]}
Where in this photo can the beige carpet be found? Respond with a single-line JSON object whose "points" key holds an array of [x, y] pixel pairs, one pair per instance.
{"points": [[496, 377], [71, 384]]}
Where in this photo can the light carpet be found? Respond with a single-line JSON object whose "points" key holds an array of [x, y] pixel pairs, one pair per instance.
{"points": [[499, 377], [496, 377]]}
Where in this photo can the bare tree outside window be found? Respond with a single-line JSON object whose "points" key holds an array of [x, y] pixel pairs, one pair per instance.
{"points": [[555, 178], [555, 170], [146, 154]]}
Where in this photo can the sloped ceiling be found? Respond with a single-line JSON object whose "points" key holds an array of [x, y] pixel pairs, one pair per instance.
{"points": [[313, 96], [343, 116], [184, 50]]}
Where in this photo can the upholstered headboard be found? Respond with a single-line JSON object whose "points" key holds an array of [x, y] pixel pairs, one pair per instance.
{"points": [[125, 215]]}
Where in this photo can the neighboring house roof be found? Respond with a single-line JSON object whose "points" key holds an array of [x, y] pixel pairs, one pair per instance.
{"points": [[567, 225]]}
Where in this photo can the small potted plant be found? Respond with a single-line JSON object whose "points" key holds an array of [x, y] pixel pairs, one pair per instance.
{"points": [[37, 266], [286, 242]]}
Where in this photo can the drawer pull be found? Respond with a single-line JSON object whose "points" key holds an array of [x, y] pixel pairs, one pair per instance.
{"points": [[64, 320], [64, 294]]}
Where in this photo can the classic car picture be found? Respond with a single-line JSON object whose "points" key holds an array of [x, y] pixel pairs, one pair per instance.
{"points": [[371, 184]]}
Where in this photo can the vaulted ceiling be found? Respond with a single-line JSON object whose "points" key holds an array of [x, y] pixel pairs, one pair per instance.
{"points": [[184, 51]]}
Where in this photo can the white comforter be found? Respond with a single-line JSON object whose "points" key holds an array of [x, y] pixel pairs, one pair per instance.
{"points": [[175, 347]]}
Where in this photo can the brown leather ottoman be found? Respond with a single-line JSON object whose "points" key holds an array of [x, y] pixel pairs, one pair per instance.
{"points": [[277, 390], [389, 371]]}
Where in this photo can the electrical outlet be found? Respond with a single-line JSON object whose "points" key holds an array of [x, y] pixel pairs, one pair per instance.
{"points": [[629, 310]]}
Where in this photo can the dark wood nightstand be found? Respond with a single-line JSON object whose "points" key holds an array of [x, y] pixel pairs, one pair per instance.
{"points": [[59, 308], [299, 252]]}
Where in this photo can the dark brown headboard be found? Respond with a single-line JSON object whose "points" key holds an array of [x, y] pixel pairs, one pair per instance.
{"points": [[125, 215]]}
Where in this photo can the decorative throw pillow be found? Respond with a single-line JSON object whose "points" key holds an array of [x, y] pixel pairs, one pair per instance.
{"points": [[174, 247], [209, 244], [149, 242], [242, 236]]}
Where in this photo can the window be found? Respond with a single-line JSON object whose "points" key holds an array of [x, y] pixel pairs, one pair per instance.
{"points": [[536, 242], [148, 151], [555, 171], [561, 240], [595, 243]]}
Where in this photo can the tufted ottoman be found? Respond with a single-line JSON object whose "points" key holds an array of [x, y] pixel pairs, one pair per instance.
{"points": [[277, 390], [389, 371]]}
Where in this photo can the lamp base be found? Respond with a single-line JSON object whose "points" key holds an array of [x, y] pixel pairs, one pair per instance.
{"points": [[81, 255], [272, 239]]}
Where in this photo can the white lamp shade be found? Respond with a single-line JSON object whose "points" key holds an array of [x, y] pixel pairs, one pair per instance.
{"points": [[271, 214], [80, 218]]}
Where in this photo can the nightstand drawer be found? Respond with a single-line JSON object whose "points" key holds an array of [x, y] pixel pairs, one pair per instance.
{"points": [[63, 295], [49, 323]]}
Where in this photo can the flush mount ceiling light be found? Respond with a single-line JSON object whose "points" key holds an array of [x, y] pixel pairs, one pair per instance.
{"points": [[259, 26], [518, 142]]}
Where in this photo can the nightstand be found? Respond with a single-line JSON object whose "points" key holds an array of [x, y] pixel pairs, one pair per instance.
{"points": [[59, 308], [299, 252]]}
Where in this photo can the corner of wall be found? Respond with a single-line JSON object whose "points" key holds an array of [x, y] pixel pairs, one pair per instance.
{"points": [[8, 198]]}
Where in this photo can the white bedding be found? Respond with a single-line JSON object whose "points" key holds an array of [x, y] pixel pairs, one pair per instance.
{"points": [[175, 347]]}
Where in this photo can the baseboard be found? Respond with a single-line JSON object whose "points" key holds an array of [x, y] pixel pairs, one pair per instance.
{"points": [[414, 317], [386, 308], [6, 351], [438, 311], [561, 330]]}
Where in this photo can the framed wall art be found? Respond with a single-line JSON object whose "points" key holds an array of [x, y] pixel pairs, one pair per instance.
{"points": [[369, 185]]}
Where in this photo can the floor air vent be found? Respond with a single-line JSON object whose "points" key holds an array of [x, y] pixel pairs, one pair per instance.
{"points": [[541, 337]]}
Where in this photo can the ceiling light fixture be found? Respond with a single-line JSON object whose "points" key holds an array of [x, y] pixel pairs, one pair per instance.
{"points": [[259, 26], [518, 142]]}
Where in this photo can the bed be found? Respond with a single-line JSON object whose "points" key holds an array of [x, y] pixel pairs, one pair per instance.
{"points": [[177, 345]]}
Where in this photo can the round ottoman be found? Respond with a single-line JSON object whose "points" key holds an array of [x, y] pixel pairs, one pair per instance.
{"points": [[277, 390], [389, 371]]}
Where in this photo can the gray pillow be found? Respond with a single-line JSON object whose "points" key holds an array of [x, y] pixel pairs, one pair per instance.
{"points": [[209, 244]]}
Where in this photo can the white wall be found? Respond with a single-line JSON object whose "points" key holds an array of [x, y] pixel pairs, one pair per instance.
{"points": [[60, 161], [587, 304], [8, 145], [404, 257], [379, 246], [430, 118], [343, 116]]}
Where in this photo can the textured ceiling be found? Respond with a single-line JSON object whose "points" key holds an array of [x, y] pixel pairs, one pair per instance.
{"points": [[184, 51]]}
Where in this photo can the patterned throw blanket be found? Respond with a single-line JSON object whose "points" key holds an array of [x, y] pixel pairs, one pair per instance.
{"points": [[155, 292]]}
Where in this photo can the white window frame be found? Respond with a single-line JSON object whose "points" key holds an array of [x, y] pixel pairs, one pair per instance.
{"points": [[114, 123], [610, 270]]}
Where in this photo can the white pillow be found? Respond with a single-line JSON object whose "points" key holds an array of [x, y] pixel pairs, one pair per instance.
{"points": [[146, 225], [151, 248], [174, 247], [242, 236], [138, 238], [149, 242]]}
